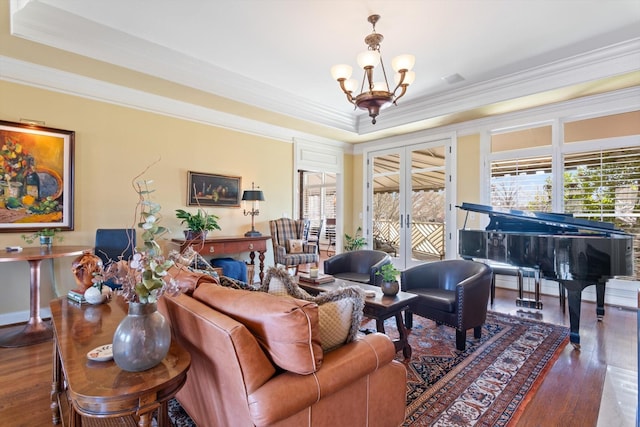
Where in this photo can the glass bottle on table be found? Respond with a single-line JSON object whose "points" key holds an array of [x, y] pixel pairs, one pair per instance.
{"points": [[32, 182]]}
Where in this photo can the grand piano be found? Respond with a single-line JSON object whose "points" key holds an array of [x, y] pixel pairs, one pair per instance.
{"points": [[571, 251]]}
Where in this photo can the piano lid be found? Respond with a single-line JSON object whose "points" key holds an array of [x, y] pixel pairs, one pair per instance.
{"points": [[531, 221]]}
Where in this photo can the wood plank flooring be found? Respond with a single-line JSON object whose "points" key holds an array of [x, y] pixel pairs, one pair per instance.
{"points": [[569, 396]]}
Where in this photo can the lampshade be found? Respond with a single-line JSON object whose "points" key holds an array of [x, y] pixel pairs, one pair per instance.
{"points": [[253, 195]]}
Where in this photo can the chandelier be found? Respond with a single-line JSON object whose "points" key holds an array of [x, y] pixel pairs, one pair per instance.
{"points": [[376, 94]]}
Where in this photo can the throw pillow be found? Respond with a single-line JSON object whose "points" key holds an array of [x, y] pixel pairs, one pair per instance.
{"points": [[340, 310], [295, 246]]}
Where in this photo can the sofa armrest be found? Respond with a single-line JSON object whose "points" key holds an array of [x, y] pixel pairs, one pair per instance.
{"points": [[289, 393], [375, 279], [474, 293], [336, 264]]}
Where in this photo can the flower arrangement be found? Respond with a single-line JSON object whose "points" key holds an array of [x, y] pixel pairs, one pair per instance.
{"points": [[16, 161], [145, 277]]}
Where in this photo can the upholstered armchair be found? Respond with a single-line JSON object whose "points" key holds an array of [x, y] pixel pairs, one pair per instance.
{"points": [[453, 293], [289, 245], [357, 266]]}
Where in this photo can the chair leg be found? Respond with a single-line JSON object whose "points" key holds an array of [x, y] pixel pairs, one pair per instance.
{"points": [[493, 288], [461, 340], [408, 319], [477, 332]]}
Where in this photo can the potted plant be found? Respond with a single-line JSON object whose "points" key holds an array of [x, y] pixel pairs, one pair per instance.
{"points": [[46, 236], [355, 242], [389, 283], [198, 224]]}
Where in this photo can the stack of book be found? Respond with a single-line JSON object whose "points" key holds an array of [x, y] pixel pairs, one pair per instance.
{"points": [[76, 297], [322, 278]]}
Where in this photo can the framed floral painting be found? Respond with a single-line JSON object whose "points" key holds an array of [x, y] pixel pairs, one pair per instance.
{"points": [[205, 189], [36, 177]]}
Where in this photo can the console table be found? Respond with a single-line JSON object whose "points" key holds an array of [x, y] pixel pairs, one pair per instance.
{"points": [[86, 392], [229, 245], [35, 331]]}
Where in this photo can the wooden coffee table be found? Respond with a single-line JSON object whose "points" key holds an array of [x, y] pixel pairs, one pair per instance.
{"points": [[380, 307], [86, 392]]}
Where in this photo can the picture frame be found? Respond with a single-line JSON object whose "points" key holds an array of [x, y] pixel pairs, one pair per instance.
{"points": [[36, 177], [206, 189]]}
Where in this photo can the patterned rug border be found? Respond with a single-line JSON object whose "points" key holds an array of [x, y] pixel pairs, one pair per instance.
{"points": [[429, 406]]}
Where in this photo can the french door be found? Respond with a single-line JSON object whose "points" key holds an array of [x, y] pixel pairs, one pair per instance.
{"points": [[409, 201]]}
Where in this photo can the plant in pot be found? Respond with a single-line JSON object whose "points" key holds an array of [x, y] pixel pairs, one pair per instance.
{"points": [[198, 224], [355, 242], [46, 236], [389, 285]]}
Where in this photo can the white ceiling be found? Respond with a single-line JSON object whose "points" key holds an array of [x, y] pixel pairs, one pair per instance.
{"points": [[276, 54]]}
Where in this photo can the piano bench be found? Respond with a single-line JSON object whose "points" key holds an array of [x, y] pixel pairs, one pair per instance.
{"points": [[509, 270]]}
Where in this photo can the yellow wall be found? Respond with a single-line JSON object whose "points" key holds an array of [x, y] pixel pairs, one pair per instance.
{"points": [[112, 145], [467, 173]]}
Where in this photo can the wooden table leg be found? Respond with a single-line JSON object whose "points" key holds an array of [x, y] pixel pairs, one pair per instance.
{"points": [[403, 341], [35, 331], [261, 258]]}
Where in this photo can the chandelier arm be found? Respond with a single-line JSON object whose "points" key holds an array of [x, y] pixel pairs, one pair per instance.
{"points": [[368, 71], [402, 73], [404, 90], [346, 92]]}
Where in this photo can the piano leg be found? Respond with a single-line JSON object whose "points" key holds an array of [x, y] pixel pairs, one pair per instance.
{"points": [[574, 296]]}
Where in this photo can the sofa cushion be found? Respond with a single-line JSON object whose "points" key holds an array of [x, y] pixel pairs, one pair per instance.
{"points": [[287, 328], [340, 310]]}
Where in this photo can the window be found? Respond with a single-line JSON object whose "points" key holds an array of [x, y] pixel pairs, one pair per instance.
{"points": [[603, 186], [524, 184], [598, 171], [318, 196]]}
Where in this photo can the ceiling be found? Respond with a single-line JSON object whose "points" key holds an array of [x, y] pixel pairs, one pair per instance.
{"points": [[266, 63]]}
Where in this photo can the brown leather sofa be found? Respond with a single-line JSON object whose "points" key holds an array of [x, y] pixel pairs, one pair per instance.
{"points": [[257, 361]]}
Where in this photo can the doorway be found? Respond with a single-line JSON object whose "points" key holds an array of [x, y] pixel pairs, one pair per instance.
{"points": [[409, 199]]}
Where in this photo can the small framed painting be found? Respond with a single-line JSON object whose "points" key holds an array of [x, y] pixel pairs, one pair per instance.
{"points": [[36, 177], [207, 189]]}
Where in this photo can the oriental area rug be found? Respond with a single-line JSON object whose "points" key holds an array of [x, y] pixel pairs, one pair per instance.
{"points": [[488, 384]]}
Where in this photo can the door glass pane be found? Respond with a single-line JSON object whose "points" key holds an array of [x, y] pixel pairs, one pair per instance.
{"points": [[427, 210], [386, 203]]}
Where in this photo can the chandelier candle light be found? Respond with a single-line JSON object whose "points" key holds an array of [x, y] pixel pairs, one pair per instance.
{"points": [[376, 94], [255, 197]]}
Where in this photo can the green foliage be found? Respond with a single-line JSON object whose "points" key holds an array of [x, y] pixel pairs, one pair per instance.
{"points": [[355, 242], [388, 272], [200, 221], [45, 232]]}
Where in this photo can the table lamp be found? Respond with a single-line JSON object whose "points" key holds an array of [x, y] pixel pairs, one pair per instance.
{"points": [[254, 196]]}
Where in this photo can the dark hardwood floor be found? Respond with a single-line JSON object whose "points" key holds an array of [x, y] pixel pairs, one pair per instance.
{"points": [[569, 396]]}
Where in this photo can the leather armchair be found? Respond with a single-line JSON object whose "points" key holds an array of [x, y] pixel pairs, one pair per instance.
{"points": [[452, 292], [357, 266]]}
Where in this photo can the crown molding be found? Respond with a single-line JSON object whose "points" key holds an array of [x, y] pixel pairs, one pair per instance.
{"points": [[40, 22], [614, 60], [52, 79]]}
